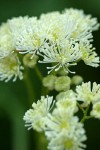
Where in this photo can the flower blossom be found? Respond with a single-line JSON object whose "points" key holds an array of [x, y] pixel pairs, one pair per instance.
{"points": [[36, 117], [88, 93], [30, 37], [89, 56], [10, 68], [96, 110], [6, 41], [63, 129], [64, 54], [85, 24], [68, 141]]}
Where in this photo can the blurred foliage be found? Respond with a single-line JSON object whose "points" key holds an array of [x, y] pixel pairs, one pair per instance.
{"points": [[14, 97]]}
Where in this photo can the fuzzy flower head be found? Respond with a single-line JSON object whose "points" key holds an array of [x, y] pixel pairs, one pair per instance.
{"points": [[85, 24], [68, 39], [71, 23], [6, 41], [68, 141], [96, 110], [36, 117], [26, 34], [87, 93], [31, 37], [63, 129], [64, 53], [89, 56], [60, 38], [58, 123], [10, 67], [16, 25], [57, 26], [62, 117], [67, 104]]}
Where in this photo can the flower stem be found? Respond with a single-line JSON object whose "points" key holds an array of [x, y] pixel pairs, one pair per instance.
{"points": [[85, 116], [38, 73], [81, 108], [29, 87]]}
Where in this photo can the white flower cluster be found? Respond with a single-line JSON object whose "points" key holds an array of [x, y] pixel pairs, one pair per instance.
{"points": [[60, 38], [36, 117], [68, 39], [58, 120], [61, 127], [10, 66], [90, 94]]}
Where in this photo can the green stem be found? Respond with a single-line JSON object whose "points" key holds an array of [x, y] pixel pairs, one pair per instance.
{"points": [[42, 142], [31, 96], [30, 91], [89, 117], [81, 108], [85, 116], [29, 87], [38, 73]]}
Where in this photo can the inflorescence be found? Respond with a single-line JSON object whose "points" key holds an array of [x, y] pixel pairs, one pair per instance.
{"points": [[62, 39]]}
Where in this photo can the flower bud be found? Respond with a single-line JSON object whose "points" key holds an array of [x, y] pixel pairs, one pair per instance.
{"points": [[62, 83], [30, 62], [49, 81], [76, 80]]}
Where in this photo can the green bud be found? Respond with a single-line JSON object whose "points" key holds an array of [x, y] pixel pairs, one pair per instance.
{"points": [[76, 80], [62, 83], [30, 62], [62, 72], [49, 81]]}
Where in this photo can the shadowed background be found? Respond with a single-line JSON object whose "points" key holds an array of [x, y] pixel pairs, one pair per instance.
{"points": [[14, 97]]}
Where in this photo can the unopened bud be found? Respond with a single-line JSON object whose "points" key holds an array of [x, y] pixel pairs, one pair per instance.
{"points": [[30, 62], [76, 80], [62, 83], [49, 81]]}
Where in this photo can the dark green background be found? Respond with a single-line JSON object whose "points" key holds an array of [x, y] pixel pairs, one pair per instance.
{"points": [[13, 96]]}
